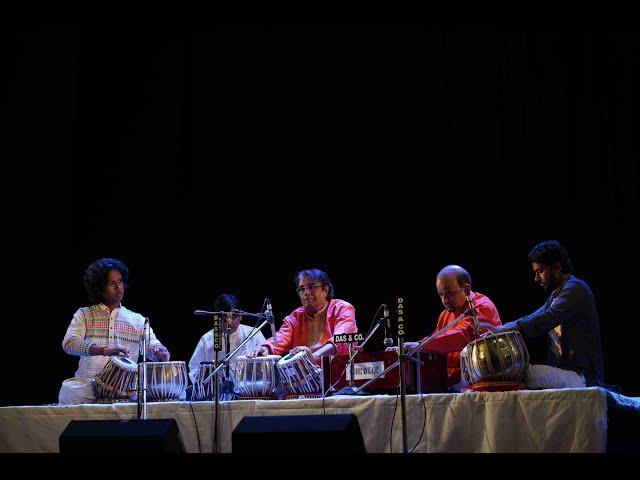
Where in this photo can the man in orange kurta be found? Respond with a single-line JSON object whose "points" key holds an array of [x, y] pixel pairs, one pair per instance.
{"points": [[312, 326], [451, 283]]}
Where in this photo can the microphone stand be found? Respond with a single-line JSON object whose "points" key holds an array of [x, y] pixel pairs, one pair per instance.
{"points": [[403, 392], [216, 347], [227, 383], [352, 389], [142, 374], [219, 364]]}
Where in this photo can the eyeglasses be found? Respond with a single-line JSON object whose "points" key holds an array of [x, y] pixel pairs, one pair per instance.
{"points": [[448, 294], [113, 283], [312, 288]]}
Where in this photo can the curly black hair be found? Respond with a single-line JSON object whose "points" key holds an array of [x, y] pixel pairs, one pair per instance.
{"points": [[318, 276], [550, 251], [96, 275]]}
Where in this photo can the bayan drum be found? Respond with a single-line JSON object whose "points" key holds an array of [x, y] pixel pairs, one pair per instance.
{"points": [[166, 381], [502, 357], [299, 375], [118, 379], [256, 377]]}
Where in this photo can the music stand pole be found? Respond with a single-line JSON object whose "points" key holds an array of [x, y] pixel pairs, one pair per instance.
{"points": [[142, 374]]}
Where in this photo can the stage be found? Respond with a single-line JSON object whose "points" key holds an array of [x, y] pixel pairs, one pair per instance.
{"points": [[526, 421]]}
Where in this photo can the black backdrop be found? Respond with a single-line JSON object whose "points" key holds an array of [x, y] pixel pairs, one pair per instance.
{"points": [[225, 159]]}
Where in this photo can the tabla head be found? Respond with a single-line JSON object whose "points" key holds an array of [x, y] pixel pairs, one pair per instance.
{"points": [[125, 363]]}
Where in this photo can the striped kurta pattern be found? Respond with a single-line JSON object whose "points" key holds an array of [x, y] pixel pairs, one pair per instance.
{"points": [[97, 325]]}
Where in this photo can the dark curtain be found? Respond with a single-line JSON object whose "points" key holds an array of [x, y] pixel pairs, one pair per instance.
{"points": [[226, 159]]}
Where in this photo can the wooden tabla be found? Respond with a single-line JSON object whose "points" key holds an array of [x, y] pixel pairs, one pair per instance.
{"points": [[299, 375], [117, 379]]}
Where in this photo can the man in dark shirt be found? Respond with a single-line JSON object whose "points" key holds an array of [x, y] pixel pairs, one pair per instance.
{"points": [[569, 318]]}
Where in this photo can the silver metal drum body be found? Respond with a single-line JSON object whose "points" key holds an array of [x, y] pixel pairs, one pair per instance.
{"points": [[499, 357]]}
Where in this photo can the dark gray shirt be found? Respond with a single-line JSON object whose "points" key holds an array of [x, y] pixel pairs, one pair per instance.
{"points": [[570, 319]]}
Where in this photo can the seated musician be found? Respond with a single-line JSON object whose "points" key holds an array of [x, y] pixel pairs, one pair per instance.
{"points": [[451, 283], [311, 327], [106, 328], [204, 351], [568, 318]]}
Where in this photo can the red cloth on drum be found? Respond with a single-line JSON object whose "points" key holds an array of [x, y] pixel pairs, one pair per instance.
{"points": [[457, 337], [494, 387], [341, 318]]}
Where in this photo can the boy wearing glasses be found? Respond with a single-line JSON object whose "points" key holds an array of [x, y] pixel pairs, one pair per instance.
{"points": [[105, 329]]}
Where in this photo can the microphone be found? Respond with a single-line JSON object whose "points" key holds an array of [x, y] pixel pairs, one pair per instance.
{"points": [[269, 313], [388, 340], [143, 337], [226, 331], [467, 296]]}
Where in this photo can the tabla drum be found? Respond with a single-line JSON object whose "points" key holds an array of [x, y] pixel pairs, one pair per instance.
{"points": [[502, 357], [205, 390], [166, 381], [256, 377], [117, 379], [299, 375]]}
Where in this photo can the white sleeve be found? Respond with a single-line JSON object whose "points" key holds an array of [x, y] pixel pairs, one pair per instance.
{"points": [[74, 342]]}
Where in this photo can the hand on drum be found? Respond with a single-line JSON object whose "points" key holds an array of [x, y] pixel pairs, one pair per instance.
{"points": [[485, 329], [302, 348], [161, 353], [115, 352], [258, 352], [407, 346]]}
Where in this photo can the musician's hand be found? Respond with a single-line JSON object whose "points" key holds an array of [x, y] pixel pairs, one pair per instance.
{"points": [[305, 349], [485, 329], [161, 353], [115, 352], [260, 351], [407, 346], [410, 345]]}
